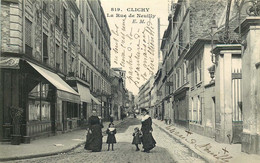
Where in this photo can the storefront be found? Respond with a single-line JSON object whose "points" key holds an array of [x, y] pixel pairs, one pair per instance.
{"points": [[88, 102], [49, 104]]}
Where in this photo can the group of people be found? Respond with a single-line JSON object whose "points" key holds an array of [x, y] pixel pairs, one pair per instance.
{"points": [[143, 136]]}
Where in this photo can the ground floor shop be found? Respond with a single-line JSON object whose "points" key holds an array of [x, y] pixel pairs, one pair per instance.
{"points": [[47, 104]]}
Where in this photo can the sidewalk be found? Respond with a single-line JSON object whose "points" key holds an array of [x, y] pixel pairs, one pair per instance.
{"points": [[46, 146], [207, 148]]}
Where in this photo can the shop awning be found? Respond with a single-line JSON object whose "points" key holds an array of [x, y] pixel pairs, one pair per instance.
{"points": [[64, 91], [85, 94], [95, 99], [9, 62]]}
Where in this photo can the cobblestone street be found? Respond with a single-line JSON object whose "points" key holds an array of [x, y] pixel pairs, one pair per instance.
{"points": [[167, 149]]}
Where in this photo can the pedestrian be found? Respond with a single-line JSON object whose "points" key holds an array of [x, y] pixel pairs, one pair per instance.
{"points": [[146, 129], [94, 133], [111, 118], [137, 138], [111, 139]]}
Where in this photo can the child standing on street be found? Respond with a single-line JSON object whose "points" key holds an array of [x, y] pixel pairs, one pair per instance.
{"points": [[111, 139], [137, 138]]}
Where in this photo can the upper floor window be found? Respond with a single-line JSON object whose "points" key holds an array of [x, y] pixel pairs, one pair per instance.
{"points": [[45, 48], [180, 42], [44, 6], [57, 12], [28, 36], [72, 31], [82, 42], [57, 51], [64, 20]]}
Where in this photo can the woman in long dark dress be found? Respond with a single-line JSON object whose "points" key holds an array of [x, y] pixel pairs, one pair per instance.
{"points": [[147, 139], [94, 136]]}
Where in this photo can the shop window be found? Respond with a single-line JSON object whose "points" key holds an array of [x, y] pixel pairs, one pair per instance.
{"points": [[34, 111], [45, 110]]}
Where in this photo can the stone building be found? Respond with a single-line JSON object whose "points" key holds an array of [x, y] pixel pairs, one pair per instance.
{"points": [[55, 65], [38, 50], [92, 78], [118, 96], [250, 85], [144, 94], [185, 26]]}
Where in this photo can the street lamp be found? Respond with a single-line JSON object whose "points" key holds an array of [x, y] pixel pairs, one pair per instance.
{"points": [[213, 32]]}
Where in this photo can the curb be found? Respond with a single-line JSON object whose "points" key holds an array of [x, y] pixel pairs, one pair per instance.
{"points": [[201, 155], [40, 155], [47, 154]]}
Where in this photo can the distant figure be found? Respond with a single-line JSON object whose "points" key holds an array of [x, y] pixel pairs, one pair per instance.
{"points": [[146, 129], [94, 136], [111, 139], [134, 115], [137, 138], [123, 116], [111, 118]]}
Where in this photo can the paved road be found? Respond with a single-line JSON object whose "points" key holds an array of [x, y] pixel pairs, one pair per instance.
{"points": [[166, 151]]}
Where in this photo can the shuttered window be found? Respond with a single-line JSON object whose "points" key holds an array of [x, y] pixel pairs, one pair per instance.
{"points": [[45, 47], [28, 36]]}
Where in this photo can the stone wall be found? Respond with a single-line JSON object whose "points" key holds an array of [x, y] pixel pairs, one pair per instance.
{"points": [[11, 27], [201, 16]]}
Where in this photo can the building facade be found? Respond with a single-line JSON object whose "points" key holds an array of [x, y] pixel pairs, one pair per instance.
{"points": [[144, 95], [55, 66]]}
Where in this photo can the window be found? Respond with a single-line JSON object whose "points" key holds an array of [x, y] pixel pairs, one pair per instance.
{"points": [[196, 71], [45, 111], [72, 30], [44, 6], [192, 74], [72, 63], [65, 61], [199, 69], [45, 48], [57, 51], [96, 34], [180, 42], [91, 53], [81, 4], [87, 20], [184, 69], [180, 77], [64, 20], [28, 37], [57, 12], [199, 110], [82, 42], [91, 26], [191, 110]]}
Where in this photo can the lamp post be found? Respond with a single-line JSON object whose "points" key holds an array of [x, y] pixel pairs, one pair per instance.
{"points": [[213, 32]]}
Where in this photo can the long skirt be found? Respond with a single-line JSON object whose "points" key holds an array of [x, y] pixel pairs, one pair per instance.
{"points": [[94, 140], [148, 141]]}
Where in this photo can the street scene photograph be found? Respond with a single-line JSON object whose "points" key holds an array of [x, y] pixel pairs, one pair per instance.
{"points": [[130, 81]]}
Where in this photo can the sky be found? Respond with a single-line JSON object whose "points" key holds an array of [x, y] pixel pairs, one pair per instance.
{"points": [[134, 37]]}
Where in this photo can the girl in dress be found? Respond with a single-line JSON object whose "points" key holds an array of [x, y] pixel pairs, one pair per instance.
{"points": [[111, 139], [137, 138]]}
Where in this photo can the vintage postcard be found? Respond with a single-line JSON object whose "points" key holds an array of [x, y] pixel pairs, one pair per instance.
{"points": [[130, 81]]}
